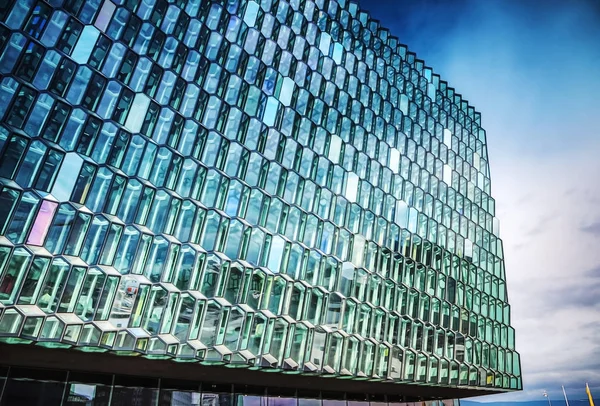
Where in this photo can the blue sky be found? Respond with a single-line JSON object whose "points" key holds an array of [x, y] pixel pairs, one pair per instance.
{"points": [[532, 68]]}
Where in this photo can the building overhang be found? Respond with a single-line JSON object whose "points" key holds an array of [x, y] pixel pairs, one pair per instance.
{"points": [[302, 385]]}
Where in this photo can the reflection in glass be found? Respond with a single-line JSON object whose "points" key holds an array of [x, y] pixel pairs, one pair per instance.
{"points": [[273, 185]]}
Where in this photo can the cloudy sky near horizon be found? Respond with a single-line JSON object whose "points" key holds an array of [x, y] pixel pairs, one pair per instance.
{"points": [[532, 68]]}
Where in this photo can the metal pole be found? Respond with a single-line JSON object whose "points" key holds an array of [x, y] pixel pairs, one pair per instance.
{"points": [[547, 397], [589, 393], [4, 383], [565, 393]]}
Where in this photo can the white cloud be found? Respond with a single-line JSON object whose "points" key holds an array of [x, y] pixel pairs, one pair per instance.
{"points": [[543, 203]]}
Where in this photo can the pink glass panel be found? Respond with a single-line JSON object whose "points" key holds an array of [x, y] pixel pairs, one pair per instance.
{"points": [[42, 223], [105, 15]]}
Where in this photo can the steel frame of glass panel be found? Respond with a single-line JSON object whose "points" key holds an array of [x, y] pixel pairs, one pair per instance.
{"points": [[276, 185]]}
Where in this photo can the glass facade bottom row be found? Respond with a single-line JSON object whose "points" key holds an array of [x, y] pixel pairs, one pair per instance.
{"points": [[25, 387]]}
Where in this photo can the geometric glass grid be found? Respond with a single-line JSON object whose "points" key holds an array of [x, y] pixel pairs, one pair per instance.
{"points": [[276, 184]]}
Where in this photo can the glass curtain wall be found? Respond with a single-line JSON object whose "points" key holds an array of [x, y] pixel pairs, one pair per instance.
{"points": [[275, 184]]}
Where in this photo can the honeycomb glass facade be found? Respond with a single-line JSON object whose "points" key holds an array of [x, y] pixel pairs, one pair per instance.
{"points": [[276, 185]]}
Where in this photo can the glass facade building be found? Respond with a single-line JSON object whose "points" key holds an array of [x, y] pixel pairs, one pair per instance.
{"points": [[256, 185]]}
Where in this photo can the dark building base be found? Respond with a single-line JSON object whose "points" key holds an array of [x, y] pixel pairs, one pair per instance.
{"points": [[53, 372]]}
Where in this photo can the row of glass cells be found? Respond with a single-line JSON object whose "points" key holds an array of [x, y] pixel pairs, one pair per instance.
{"points": [[39, 282], [222, 328], [26, 164], [217, 8], [188, 221], [159, 259], [129, 27], [55, 388], [450, 243], [204, 123], [162, 211], [438, 170], [188, 178], [158, 209]]}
